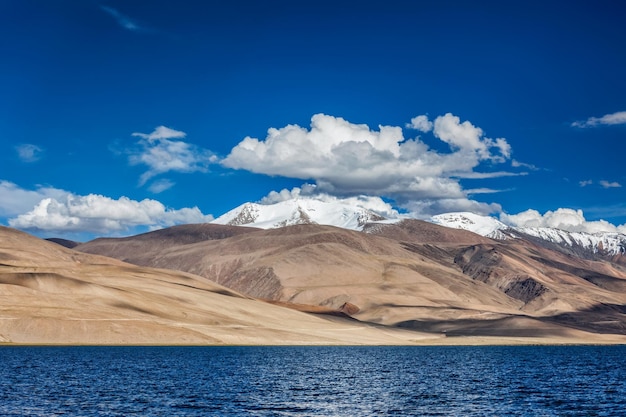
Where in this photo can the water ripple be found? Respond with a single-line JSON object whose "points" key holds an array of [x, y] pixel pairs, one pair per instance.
{"points": [[313, 381]]}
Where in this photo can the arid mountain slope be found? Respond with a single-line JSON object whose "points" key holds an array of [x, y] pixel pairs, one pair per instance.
{"points": [[152, 242], [50, 294], [411, 274]]}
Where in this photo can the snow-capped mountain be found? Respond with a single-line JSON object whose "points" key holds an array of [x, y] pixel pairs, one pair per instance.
{"points": [[334, 213], [602, 243], [482, 225], [598, 243], [299, 211]]}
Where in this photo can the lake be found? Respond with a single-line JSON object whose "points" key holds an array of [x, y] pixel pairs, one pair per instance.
{"points": [[313, 381]]}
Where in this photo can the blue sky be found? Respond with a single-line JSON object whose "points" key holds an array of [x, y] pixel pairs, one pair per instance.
{"points": [[123, 116]]}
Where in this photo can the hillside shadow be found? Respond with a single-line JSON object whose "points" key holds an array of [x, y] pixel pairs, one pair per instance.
{"points": [[600, 319]]}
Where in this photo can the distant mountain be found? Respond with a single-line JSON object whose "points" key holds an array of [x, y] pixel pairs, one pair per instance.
{"points": [[299, 211], [579, 243]]}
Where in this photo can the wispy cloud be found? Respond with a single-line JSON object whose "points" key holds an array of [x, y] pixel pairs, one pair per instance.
{"points": [[517, 164], [610, 184], [123, 20], [161, 185], [617, 118], [161, 154], [28, 152], [602, 183]]}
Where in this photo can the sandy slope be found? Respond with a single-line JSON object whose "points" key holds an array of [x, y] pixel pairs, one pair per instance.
{"points": [[49, 295], [416, 275]]}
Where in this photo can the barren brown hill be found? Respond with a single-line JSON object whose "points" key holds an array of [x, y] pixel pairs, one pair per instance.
{"points": [[422, 232], [53, 295], [414, 275], [151, 242]]}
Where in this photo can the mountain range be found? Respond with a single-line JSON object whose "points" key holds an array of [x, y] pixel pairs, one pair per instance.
{"points": [[322, 272], [312, 211]]}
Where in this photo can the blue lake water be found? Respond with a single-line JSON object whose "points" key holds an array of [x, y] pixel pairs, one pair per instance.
{"points": [[313, 381]]}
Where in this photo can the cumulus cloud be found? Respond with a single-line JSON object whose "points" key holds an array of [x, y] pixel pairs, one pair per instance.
{"points": [[161, 153], [563, 218], [585, 183], [99, 214], [350, 159], [15, 200], [610, 184], [420, 123], [28, 152], [617, 118]]}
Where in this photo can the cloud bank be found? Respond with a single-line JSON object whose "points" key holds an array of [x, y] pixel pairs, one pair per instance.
{"points": [[15, 200], [99, 214], [563, 218], [347, 159], [617, 118], [161, 153], [54, 210]]}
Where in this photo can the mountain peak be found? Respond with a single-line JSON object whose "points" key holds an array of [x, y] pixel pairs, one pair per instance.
{"points": [[483, 225], [299, 211]]}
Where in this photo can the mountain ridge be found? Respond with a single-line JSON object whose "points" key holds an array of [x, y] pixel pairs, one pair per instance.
{"points": [[305, 210]]}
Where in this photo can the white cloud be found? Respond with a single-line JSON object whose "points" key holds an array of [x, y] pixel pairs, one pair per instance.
{"points": [[563, 218], [468, 138], [28, 152], [423, 209], [608, 184], [420, 123], [458, 135], [99, 214], [15, 200], [123, 20], [307, 190], [617, 118], [161, 154], [585, 183], [351, 159], [375, 204]]}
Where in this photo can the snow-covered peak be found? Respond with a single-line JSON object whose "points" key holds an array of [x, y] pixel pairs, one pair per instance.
{"points": [[603, 243], [600, 243], [299, 211], [482, 225]]}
